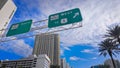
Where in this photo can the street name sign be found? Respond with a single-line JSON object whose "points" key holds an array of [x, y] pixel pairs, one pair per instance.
{"points": [[19, 28], [63, 18]]}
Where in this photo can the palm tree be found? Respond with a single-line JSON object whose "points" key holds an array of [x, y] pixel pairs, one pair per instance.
{"points": [[114, 33], [109, 47]]}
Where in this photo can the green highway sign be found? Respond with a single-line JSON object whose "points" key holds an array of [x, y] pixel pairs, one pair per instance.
{"points": [[19, 28], [63, 18]]}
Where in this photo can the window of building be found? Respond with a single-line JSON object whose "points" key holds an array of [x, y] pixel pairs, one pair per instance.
{"points": [[11, 14]]}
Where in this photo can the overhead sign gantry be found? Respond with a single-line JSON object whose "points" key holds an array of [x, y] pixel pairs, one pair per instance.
{"points": [[56, 23]]}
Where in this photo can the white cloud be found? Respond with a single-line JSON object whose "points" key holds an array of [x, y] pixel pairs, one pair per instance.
{"points": [[62, 49], [94, 58], [18, 47], [74, 58], [66, 48], [97, 16], [87, 51]]}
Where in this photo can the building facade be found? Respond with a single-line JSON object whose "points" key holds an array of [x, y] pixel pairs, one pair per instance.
{"points": [[67, 66], [108, 64], [100, 66], [64, 64], [42, 61], [48, 44], [7, 10]]}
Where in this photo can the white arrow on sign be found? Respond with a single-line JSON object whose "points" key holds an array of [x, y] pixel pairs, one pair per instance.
{"points": [[76, 14]]}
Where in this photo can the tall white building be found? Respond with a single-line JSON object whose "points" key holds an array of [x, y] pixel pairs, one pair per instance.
{"points": [[48, 44], [64, 64], [42, 61], [7, 10], [67, 66]]}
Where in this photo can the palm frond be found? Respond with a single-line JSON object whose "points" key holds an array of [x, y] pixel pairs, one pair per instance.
{"points": [[108, 46], [113, 32], [114, 54]]}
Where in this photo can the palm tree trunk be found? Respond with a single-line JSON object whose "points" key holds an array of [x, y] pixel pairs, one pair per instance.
{"points": [[112, 60]]}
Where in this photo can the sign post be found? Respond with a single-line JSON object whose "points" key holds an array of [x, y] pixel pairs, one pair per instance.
{"points": [[19, 28], [63, 18]]}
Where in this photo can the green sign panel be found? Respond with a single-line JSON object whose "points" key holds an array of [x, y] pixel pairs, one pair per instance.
{"points": [[19, 28], [63, 18]]}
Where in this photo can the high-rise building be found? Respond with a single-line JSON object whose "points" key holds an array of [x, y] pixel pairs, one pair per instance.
{"points": [[67, 66], [42, 61], [7, 10], [48, 44], [64, 64]]}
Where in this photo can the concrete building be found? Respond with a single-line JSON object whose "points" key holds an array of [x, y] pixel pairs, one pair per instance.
{"points": [[67, 66], [48, 44], [100, 66], [0, 65], [64, 64], [42, 61], [109, 62], [7, 10]]}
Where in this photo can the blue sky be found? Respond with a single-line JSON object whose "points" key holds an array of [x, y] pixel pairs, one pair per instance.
{"points": [[78, 46]]}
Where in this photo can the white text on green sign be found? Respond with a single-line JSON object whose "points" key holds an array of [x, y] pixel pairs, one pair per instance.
{"points": [[19, 28], [63, 18]]}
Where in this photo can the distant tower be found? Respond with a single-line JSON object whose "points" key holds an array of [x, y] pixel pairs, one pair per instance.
{"points": [[7, 10], [48, 44], [64, 64]]}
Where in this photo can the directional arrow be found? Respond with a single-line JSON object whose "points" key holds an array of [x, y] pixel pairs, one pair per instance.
{"points": [[76, 14]]}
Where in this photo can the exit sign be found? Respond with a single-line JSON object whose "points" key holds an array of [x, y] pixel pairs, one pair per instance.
{"points": [[64, 18]]}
